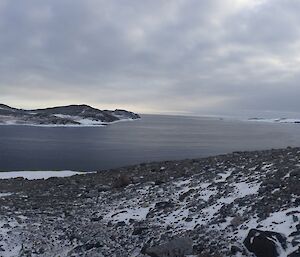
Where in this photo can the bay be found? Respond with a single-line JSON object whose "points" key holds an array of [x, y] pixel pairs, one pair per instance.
{"points": [[152, 138]]}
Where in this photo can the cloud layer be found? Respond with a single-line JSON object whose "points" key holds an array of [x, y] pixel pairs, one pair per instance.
{"points": [[214, 56]]}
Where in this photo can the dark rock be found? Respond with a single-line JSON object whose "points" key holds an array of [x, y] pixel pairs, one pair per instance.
{"points": [[88, 246], [264, 243], [92, 245], [295, 173], [138, 230], [184, 195], [295, 233], [295, 242], [159, 182], [121, 181], [103, 188], [236, 221], [94, 219], [176, 248], [121, 224], [198, 248], [235, 249], [163, 205], [295, 253]]}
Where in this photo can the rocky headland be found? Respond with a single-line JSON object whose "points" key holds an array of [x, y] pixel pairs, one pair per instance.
{"points": [[239, 204], [63, 115]]}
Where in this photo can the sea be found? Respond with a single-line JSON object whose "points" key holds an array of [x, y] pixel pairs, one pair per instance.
{"points": [[152, 138]]}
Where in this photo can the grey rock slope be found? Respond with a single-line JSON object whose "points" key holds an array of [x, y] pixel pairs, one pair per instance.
{"points": [[63, 115], [228, 205]]}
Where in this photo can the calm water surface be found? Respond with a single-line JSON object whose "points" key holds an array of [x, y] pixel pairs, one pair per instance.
{"points": [[152, 138]]}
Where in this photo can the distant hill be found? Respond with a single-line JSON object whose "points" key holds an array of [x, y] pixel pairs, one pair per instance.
{"points": [[63, 115]]}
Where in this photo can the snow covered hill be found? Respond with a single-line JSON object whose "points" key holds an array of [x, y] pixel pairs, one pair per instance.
{"points": [[71, 115], [240, 204]]}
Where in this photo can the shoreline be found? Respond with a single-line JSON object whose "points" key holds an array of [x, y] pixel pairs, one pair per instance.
{"points": [[282, 121], [104, 124]]}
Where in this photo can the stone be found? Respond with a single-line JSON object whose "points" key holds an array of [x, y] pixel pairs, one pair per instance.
{"points": [[295, 173], [295, 253], [295, 218], [186, 194], [138, 230], [236, 221], [95, 219], [264, 243], [163, 205], [122, 181], [176, 248], [235, 249]]}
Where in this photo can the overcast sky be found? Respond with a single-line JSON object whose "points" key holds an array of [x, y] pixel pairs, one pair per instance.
{"points": [[172, 56]]}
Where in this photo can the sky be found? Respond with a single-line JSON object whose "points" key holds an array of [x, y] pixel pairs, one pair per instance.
{"points": [[229, 57]]}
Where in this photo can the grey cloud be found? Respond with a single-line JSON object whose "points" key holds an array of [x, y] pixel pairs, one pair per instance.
{"points": [[187, 56]]}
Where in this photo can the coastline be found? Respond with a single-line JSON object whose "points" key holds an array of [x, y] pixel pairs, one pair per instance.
{"points": [[104, 124]]}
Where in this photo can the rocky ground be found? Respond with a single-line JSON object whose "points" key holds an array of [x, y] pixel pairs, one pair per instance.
{"points": [[240, 204]]}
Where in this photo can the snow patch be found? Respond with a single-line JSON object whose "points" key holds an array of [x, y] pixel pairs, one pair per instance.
{"points": [[206, 192], [5, 194], [243, 189], [10, 243], [82, 121]]}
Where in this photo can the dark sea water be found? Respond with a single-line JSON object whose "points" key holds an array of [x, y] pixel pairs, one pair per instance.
{"points": [[152, 138]]}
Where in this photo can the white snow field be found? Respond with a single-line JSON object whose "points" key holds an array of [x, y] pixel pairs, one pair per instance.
{"points": [[38, 174]]}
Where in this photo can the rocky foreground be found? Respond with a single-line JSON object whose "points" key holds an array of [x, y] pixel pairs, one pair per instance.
{"points": [[240, 204]]}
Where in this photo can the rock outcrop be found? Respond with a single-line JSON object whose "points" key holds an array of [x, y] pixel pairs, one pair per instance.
{"points": [[265, 243], [63, 115]]}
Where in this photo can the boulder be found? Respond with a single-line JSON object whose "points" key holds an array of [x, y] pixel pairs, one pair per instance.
{"points": [[176, 248], [295, 173], [164, 205], [121, 181], [138, 230], [295, 253], [265, 243], [236, 221]]}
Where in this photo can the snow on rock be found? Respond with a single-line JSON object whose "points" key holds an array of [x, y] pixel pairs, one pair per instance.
{"points": [[71, 115], [214, 201], [82, 121], [243, 188], [286, 222], [10, 243]]}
